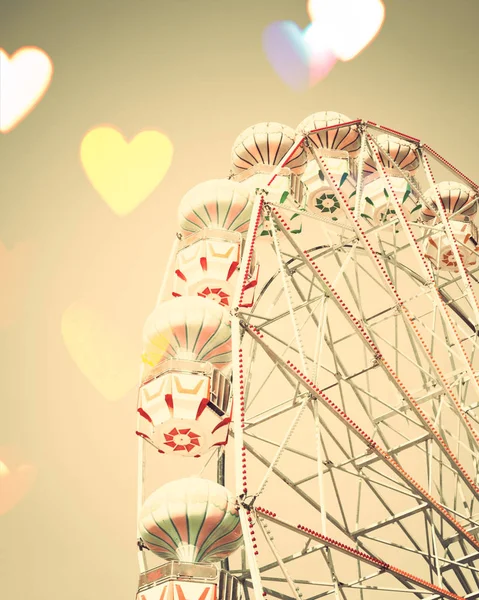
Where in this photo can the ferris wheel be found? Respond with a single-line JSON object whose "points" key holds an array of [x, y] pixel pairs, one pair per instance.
{"points": [[312, 358]]}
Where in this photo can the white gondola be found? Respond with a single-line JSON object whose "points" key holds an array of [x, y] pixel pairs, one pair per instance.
{"points": [[191, 522], [336, 147], [459, 201], [184, 398], [257, 153], [176, 580], [397, 156], [438, 247], [460, 205], [378, 205], [213, 218]]}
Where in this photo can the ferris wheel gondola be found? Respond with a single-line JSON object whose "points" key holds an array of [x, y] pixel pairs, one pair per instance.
{"points": [[184, 401]]}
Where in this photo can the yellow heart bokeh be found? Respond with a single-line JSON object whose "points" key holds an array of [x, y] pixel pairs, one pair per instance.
{"points": [[100, 349], [348, 25], [24, 79], [125, 174]]}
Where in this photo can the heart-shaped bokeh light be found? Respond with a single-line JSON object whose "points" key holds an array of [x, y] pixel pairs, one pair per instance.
{"points": [[287, 53], [321, 57], [100, 348], [16, 478], [24, 79], [125, 174], [349, 24], [300, 58]]}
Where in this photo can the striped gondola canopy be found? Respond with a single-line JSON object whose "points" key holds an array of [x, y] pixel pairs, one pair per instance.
{"points": [[396, 152], [346, 139], [188, 328], [215, 204], [459, 201], [267, 144], [193, 520]]}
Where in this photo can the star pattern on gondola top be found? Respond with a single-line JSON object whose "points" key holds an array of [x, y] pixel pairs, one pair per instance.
{"points": [[327, 203], [182, 439], [449, 259], [216, 294]]}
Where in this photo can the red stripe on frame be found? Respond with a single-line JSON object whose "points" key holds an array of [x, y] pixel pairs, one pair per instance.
{"points": [[169, 403], [201, 407]]}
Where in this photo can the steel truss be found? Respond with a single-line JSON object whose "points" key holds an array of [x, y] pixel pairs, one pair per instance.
{"points": [[356, 394]]}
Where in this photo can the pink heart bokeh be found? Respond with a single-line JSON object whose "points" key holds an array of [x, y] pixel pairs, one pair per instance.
{"points": [[300, 58], [16, 478]]}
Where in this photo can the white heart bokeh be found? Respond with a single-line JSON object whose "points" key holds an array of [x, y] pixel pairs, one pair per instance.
{"points": [[346, 26]]}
